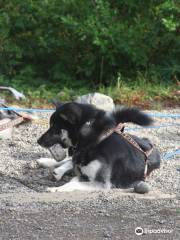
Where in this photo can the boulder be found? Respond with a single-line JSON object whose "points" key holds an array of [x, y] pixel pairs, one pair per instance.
{"points": [[99, 100]]}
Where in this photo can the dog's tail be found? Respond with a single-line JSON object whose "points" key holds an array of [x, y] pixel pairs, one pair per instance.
{"points": [[132, 115]]}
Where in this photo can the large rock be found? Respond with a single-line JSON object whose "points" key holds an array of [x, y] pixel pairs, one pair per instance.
{"points": [[99, 100]]}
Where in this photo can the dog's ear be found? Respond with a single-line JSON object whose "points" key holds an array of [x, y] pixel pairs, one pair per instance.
{"points": [[71, 113], [56, 103], [64, 116], [69, 117]]}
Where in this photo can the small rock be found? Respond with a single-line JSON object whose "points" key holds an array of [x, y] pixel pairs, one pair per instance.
{"points": [[141, 187], [106, 234]]}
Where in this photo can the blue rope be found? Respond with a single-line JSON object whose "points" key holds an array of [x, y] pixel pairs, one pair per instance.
{"points": [[160, 115], [158, 126], [27, 109], [170, 155], [164, 115]]}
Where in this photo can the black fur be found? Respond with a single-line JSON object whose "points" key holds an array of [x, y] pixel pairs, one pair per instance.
{"points": [[122, 163], [132, 115]]}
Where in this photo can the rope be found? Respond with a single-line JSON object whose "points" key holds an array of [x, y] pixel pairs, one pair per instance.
{"points": [[27, 109], [40, 121], [160, 115], [11, 123], [157, 126], [164, 115], [169, 155]]}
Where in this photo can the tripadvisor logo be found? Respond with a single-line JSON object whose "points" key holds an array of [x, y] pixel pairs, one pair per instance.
{"points": [[139, 231]]}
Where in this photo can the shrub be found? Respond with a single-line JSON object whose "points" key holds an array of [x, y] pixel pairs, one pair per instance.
{"points": [[76, 41]]}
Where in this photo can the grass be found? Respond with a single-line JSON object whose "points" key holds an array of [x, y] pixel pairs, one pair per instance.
{"points": [[145, 95], [154, 95]]}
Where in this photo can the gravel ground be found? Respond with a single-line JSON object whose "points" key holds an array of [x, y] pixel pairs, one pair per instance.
{"points": [[28, 212]]}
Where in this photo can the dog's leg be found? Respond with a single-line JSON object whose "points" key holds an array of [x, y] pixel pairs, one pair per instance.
{"points": [[65, 167], [75, 184], [50, 162], [47, 162]]}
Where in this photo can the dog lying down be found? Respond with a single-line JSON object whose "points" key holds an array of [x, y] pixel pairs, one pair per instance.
{"points": [[99, 160]]}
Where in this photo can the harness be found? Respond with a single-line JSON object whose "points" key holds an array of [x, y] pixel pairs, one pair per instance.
{"points": [[119, 129]]}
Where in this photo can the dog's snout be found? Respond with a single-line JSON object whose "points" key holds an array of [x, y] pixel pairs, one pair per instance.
{"points": [[42, 142], [39, 141], [47, 141]]}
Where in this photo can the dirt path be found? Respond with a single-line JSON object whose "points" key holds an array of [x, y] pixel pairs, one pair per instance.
{"points": [[108, 215]]}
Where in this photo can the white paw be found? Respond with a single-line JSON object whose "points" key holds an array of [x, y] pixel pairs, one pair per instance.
{"points": [[53, 189], [57, 175], [59, 172], [61, 189], [47, 162]]}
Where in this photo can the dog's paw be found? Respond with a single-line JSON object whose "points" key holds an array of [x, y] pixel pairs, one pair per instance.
{"points": [[57, 176], [141, 187], [52, 189], [46, 162]]}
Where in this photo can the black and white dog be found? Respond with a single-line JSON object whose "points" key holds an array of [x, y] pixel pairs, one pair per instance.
{"points": [[99, 162]]}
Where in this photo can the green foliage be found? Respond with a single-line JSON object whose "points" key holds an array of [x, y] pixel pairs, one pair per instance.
{"points": [[92, 42]]}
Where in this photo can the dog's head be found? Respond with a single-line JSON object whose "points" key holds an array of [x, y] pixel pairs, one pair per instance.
{"points": [[65, 124]]}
